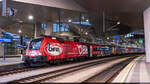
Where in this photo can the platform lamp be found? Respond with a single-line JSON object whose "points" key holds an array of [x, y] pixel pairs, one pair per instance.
{"points": [[21, 42]]}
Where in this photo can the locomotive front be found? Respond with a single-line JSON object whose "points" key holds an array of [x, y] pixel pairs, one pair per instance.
{"points": [[34, 52]]}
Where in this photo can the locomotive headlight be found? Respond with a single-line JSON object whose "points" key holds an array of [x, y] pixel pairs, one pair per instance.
{"points": [[32, 54], [40, 53]]}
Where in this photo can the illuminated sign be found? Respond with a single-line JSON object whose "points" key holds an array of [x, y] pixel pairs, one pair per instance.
{"points": [[5, 40], [116, 36]]}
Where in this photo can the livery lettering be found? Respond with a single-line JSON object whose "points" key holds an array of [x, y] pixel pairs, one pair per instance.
{"points": [[82, 49], [54, 49]]}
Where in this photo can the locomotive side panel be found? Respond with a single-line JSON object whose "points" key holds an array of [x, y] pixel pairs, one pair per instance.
{"points": [[82, 49], [72, 49]]}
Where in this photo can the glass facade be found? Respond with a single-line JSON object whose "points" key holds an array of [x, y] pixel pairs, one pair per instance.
{"points": [[44, 26], [63, 27], [13, 48], [83, 23]]}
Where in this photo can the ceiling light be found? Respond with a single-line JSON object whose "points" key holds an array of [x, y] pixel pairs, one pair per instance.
{"points": [[20, 31], [30, 17], [118, 23], [69, 20], [86, 33]]}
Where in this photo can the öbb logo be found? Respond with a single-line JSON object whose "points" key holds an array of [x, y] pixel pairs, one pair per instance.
{"points": [[54, 49]]}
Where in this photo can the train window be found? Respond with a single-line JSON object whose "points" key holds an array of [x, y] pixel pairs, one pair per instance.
{"points": [[99, 49], [95, 49], [83, 43], [35, 44]]}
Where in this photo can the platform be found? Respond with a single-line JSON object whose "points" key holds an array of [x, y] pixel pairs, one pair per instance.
{"points": [[135, 72], [10, 61]]}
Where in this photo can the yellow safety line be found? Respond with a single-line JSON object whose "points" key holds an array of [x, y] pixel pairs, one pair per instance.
{"points": [[129, 69]]}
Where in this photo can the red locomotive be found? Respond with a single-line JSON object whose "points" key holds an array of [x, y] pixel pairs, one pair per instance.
{"points": [[49, 49]]}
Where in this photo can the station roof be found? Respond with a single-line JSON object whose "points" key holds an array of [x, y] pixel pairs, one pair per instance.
{"points": [[129, 12]]}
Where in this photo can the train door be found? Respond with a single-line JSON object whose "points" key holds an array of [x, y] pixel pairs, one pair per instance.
{"points": [[90, 50], [103, 50], [99, 50], [113, 50]]}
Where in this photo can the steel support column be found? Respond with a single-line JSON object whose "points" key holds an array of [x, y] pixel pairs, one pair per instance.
{"points": [[49, 28], [147, 33], [1, 47], [37, 30]]}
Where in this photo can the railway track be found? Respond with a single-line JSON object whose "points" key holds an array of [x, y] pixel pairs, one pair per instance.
{"points": [[59, 73], [3, 73], [20, 68], [108, 75], [13, 69]]}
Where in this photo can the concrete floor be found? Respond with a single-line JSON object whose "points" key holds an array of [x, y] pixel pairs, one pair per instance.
{"points": [[10, 60], [136, 72]]}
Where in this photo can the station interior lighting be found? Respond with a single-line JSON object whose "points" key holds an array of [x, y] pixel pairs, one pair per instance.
{"points": [[69, 20], [140, 41], [107, 38], [83, 17], [118, 23], [129, 35], [30, 17], [87, 20], [86, 33], [20, 31]]}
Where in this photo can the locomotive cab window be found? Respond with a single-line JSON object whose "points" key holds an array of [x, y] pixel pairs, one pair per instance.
{"points": [[60, 41], [35, 44]]}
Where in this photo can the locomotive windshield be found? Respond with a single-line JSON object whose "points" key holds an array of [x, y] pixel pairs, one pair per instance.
{"points": [[35, 44]]}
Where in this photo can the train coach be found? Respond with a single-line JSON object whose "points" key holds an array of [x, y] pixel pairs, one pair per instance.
{"points": [[50, 50]]}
